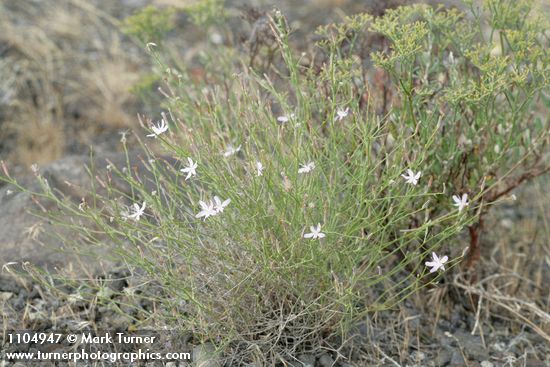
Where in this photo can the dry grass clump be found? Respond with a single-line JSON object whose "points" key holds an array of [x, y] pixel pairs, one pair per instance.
{"points": [[108, 88], [515, 273], [506, 310], [39, 139], [71, 73]]}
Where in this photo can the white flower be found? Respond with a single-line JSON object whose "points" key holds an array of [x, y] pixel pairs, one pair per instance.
{"points": [[123, 136], [135, 212], [341, 114], [230, 151], [207, 210], [190, 169], [219, 205], [306, 168], [160, 128], [286, 118], [315, 232], [212, 208], [461, 203], [259, 168], [83, 205], [411, 177], [436, 263]]}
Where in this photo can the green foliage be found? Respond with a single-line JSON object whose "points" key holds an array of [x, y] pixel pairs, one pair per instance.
{"points": [[406, 37], [508, 14], [334, 34], [150, 24], [480, 96], [145, 84], [207, 12]]}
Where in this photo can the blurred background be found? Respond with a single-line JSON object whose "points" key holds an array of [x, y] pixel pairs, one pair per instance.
{"points": [[71, 77]]}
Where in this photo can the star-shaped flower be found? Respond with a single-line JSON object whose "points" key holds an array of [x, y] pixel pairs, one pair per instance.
{"points": [[341, 114], [259, 168], [412, 177], [436, 263], [161, 127], [219, 205], [231, 150], [461, 203], [286, 118], [207, 210], [190, 169], [307, 167], [315, 232], [135, 212]]}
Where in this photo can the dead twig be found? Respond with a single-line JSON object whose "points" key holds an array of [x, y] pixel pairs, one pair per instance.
{"points": [[512, 304]]}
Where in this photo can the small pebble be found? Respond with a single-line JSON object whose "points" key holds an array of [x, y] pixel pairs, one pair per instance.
{"points": [[457, 359], [507, 223], [487, 364], [499, 346], [443, 357], [307, 360], [418, 356], [326, 360]]}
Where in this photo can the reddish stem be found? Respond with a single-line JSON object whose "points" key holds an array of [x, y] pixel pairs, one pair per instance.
{"points": [[474, 253]]}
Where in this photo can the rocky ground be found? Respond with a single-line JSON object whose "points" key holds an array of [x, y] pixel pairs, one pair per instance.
{"points": [[420, 338]]}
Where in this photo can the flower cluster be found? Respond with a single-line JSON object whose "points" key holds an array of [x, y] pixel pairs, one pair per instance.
{"points": [[212, 207], [460, 202], [216, 206]]}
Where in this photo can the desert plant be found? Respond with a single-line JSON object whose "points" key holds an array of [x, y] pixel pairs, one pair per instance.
{"points": [[277, 209], [482, 91]]}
